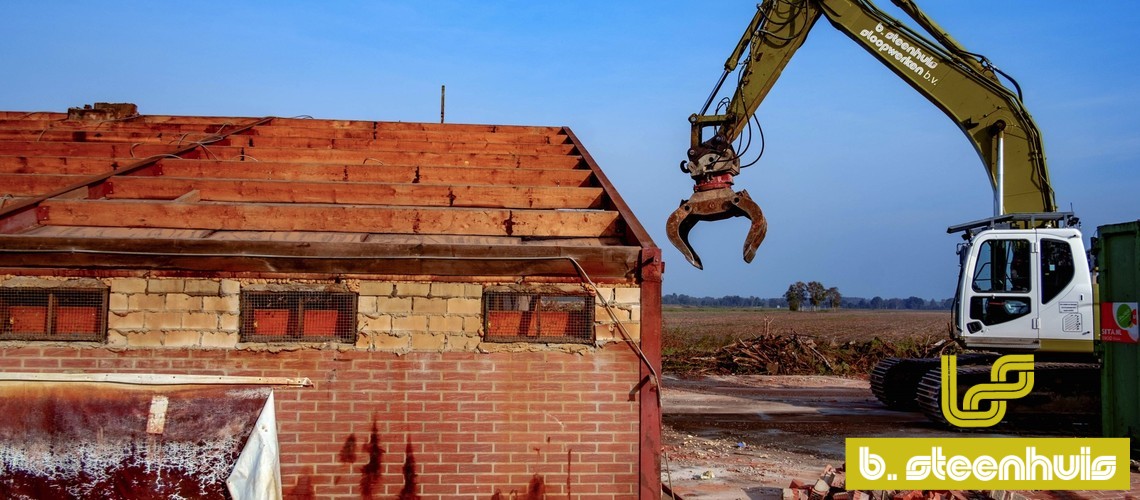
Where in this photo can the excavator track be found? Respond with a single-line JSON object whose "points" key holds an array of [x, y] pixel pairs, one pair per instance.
{"points": [[895, 381], [1065, 399]]}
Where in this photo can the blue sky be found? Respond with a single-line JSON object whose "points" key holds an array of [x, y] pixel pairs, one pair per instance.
{"points": [[859, 181]]}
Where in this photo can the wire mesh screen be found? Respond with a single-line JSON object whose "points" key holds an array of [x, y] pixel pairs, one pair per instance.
{"points": [[298, 316], [535, 317], [61, 314]]}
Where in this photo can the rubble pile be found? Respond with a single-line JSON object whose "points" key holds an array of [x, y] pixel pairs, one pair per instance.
{"points": [[771, 354], [831, 486]]}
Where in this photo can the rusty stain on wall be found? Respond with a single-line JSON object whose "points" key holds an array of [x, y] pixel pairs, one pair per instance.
{"points": [[370, 473], [84, 440], [409, 491], [347, 453], [536, 490], [303, 490]]}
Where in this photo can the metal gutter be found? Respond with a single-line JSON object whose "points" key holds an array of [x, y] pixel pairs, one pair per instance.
{"points": [[153, 379]]}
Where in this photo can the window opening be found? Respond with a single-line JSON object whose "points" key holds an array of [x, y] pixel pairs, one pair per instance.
{"points": [[1057, 268], [1003, 266], [298, 316], [538, 317], [1003, 269], [55, 313]]}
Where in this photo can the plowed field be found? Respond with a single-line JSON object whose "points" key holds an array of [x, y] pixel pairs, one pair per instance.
{"points": [[841, 325]]}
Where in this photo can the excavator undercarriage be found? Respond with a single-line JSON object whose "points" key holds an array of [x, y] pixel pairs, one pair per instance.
{"points": [[1064, 399]]}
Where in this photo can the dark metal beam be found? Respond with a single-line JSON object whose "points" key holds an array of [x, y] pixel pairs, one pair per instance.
{"points": [[316, 257]]}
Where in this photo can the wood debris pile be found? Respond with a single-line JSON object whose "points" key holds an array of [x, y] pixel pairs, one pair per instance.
{"points": [[794, 355]]}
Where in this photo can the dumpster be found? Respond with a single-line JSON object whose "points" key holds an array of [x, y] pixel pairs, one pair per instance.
{"points": [[1117, 252]]}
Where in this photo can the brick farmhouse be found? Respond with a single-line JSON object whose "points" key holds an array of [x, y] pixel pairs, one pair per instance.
{"points": [[438, 310]]}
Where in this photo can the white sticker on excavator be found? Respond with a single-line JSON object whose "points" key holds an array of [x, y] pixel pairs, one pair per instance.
{"points": [[1071, 323]]}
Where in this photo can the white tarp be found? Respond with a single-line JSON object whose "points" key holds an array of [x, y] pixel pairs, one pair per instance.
{"points": [[257, 473]]}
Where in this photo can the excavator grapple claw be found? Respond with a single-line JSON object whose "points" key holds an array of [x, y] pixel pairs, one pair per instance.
{"points": [[713, 205]]}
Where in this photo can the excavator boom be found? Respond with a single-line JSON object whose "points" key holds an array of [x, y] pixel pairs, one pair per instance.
{"points": [[964, 85]]}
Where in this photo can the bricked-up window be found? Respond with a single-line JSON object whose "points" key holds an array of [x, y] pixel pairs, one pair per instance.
{"points": [[298, 316], [55, 314], [538, 317]]}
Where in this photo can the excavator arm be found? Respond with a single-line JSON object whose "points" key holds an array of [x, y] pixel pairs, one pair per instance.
{"points": [[964, 85]]}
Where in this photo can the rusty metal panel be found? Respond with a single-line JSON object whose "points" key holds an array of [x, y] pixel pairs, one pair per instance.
{"points": [[90, 440], [650, 450]]}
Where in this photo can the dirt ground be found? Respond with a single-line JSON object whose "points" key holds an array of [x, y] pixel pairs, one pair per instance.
{"points": [[747, 437]]}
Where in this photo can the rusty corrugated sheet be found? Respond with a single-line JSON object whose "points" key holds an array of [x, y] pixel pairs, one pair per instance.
{"points": [[90, 440]]}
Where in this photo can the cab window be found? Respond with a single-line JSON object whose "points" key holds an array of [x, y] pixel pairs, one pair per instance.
{"points": [[1003, 267], [1057, 268]]}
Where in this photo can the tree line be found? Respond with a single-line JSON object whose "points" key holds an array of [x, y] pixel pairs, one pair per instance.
{"points": [[814, 293], [908, 303]]}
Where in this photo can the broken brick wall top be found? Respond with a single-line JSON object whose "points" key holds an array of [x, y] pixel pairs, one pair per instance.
{"points": [[228, 195]]}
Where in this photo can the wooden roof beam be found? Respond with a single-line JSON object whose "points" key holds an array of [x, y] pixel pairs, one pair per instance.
{"points": [[223, 152], [27, 214], [380, 157], [427, 174], [413, 135], [26, 185], [399, 145], [340, 218], [356, 193], [60, 165]]}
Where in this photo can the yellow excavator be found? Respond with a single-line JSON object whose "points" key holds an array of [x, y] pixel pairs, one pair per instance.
{"points": [[1024, 284]]}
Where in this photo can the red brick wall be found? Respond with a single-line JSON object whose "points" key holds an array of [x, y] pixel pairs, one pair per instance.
{"points": [[421, 425]]}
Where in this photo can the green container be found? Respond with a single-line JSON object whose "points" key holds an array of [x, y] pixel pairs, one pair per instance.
{"points": [[1118, 292]]}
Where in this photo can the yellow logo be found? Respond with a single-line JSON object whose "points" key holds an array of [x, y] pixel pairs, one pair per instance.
{"points": [[987, 463], [997, 392]]}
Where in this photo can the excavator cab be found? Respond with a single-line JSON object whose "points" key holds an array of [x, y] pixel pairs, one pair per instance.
{"points": [[1023, 285]]}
